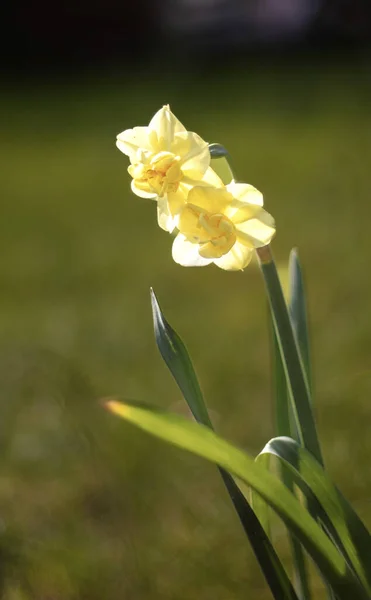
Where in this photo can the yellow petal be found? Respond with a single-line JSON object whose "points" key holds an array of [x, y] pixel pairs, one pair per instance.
{"points": [[245, 193], [189, 224], [211, 199], [256, 232], [209, 179], [142, 189], [166, 125], [212, 178], [213, 250], [164, 217], [237, 258], [177, 200], [194, 153], [186, 254], [130, 140], [241, 213]]}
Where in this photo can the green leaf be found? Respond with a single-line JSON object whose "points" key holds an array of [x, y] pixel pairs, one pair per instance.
{"points": [[175, 355], [298, 313], [177, 359], [259, 505], [298, 316], [205, 443], [285, 425], [342, 521], [296, 379]]}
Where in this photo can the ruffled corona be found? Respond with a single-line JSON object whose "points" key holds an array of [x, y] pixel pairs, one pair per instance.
{"points": [[222, 226]]}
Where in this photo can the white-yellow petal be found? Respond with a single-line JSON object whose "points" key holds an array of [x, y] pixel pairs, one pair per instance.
{"points": [[187, 254], [245, 193], [165, 124], [194, 153], [242, 213], [257, 232], [142, 193], [164, 217], [177, 200], [211, 199], [130, 140], [236, 259], [211, 178]]}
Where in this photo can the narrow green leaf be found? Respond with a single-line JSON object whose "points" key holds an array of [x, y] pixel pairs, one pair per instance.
{"points": [[175, 355], [284, 418], [202, 441], [295, 375], [346, 527], [259, 505], [285, 425], [177, 359], [298, 313]]}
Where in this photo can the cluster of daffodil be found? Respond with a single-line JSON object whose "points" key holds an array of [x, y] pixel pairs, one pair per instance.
{"points": [[216, 223]]}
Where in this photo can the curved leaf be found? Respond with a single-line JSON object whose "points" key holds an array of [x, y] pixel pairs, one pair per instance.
{"points": [[353, 536], [296, 379], [180, 365], [205, 443]]}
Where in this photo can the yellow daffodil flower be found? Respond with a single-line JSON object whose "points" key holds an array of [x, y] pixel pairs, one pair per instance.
{"points": [[222, 226], [166, 161]]}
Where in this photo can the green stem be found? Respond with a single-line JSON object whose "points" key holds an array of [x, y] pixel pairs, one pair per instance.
{"points": [[296, 379]]}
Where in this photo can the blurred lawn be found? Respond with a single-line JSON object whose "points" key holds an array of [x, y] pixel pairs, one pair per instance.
{"points": [[91, 508]]}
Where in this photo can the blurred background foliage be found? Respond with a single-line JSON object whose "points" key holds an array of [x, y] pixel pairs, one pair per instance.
{"points": [[90, 508]]}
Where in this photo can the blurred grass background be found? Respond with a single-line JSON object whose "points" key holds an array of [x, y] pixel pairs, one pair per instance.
{"points": [[91, 508]]}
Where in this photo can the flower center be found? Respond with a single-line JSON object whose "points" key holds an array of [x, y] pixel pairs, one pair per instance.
{"points": [[160, 175], [215, 233]]}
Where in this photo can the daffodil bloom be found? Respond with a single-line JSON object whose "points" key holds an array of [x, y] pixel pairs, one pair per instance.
{"points": [[222, 226], [166, 161]]}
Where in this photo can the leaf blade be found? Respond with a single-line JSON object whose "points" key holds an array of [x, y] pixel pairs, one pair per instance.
{"points": [[354, 537], [205, 443], [175, 354]]}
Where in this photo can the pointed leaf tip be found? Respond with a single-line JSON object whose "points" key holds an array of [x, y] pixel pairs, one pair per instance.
{"points": [[294, 256], [115, 407], [158, 319]]}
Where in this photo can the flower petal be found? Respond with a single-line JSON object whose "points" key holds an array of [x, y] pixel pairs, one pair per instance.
{"points": [[164, 217], [213, 200], [245, 193], [165, 124], [194, 152], [257, 232], [212, 250], [236, 259], [177, 200], [188, 224], [142, 193], [130, 140], [186, 254], [209, 178], [240, 214]]}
